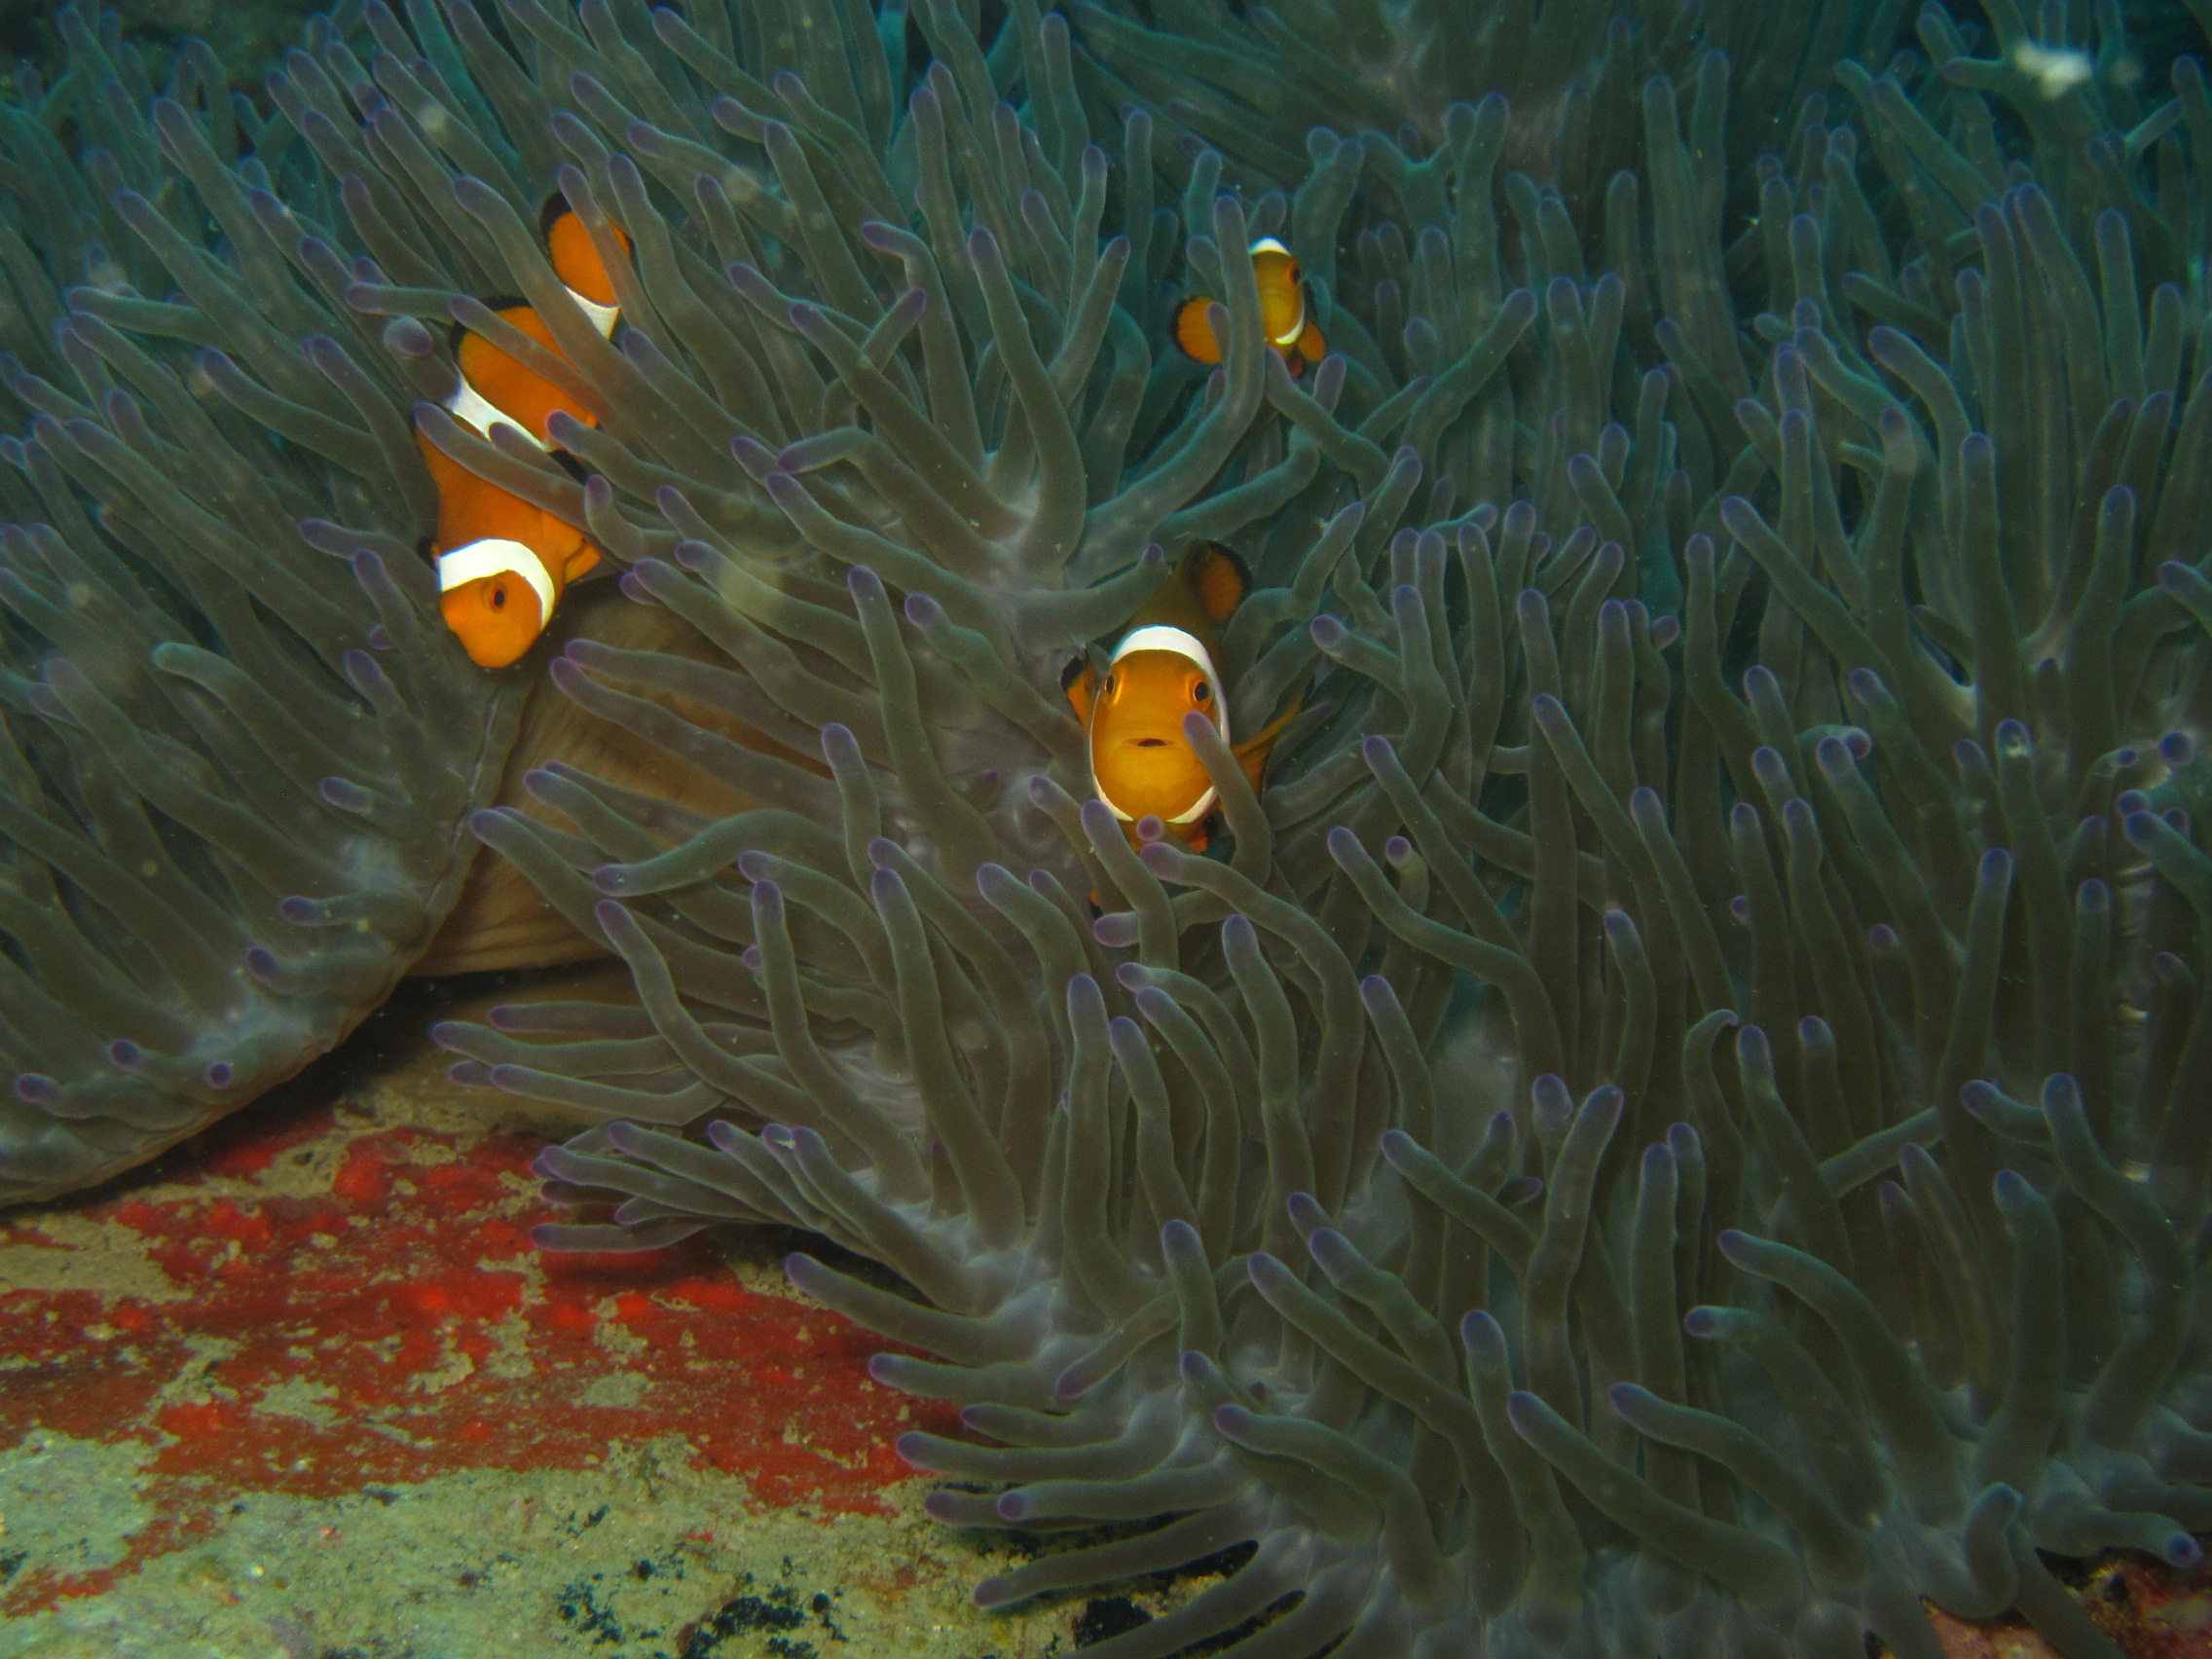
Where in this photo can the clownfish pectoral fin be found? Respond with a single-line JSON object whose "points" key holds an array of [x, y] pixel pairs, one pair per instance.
{"points": [[583, 561], [1252, 754], [1310, 345], [1080, 681], [1194, 330], [1217, 577]]}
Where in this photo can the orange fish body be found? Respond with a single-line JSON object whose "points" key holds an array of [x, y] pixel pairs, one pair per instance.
{"points": [[504, 562], [1283, 313], [1162, 670]]}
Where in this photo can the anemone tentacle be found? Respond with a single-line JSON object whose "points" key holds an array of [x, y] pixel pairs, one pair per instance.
{"points": [[1726, 921]]}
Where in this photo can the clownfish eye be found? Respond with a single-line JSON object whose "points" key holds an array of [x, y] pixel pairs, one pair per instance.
{"points": [[500, 597], [1201, 691], [1110, 680]]}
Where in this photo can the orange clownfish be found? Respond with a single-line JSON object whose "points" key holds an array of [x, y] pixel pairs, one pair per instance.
{"points": [[504, 562], [1284, 310], [1164, 668]]}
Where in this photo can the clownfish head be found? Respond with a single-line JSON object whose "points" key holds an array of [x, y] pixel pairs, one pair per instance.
{"points": [[1141, 765], [495, 597], [1283, 319], [1282, 301]]}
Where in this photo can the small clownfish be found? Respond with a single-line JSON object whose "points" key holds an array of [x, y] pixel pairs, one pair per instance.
{"points": [[1283, 313], [504, 562], [1164, 668]]}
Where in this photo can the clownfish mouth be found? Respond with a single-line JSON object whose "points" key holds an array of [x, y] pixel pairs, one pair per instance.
{"points": [[1151, 742]]}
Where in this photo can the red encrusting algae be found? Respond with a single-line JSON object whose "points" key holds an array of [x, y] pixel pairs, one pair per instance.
{"points": [[386, 1321]]}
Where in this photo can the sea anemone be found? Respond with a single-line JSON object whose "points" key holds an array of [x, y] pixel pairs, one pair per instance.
{"points": [[1646, 1141], [1672, 1121], [238, 757]]}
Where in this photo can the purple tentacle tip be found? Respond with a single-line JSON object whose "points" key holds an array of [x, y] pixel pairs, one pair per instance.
{"points": [[220, 1074], [1704, 1323], [126, 1055], [379, 640], [1161, 859], [913, 1448], [1738, 1247], [1524, 1411]]}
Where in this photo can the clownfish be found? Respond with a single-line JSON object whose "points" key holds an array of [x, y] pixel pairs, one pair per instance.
{"points": [[1283, 313], [1164, 668], [504, 562]]}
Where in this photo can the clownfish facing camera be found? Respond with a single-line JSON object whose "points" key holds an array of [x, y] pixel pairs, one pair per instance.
{"points": [[504, 562], [1164, 668], [1283, 317]]}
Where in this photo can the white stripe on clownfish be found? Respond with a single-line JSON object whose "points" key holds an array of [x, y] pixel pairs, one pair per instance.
{"points": [[601, 317], [495, 555], [471, 408]]}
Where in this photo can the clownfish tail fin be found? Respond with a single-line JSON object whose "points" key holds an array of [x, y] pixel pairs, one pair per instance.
{"points": [[1194, 330], [1217, 577], [1310, 345]]}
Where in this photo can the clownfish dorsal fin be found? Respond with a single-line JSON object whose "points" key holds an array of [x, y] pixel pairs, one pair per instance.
{"points": [[1218, 579], [1079, 682], [550, 213], [458, 333]]}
